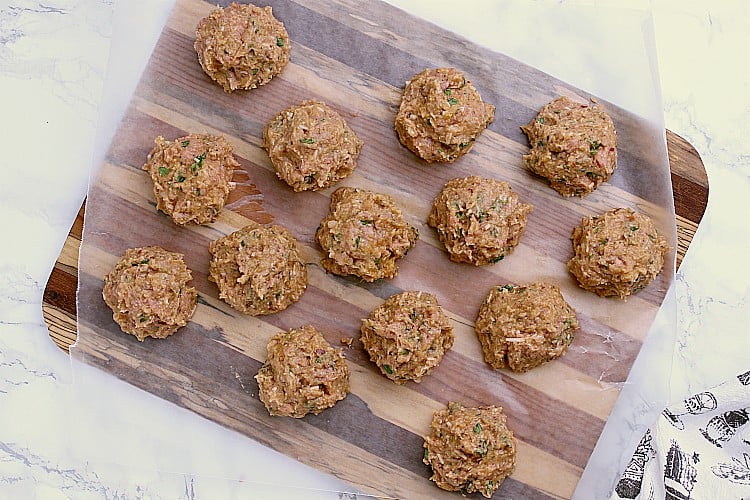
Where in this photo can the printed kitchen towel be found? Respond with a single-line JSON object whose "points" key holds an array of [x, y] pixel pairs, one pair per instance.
{"points": [[697, 449]]}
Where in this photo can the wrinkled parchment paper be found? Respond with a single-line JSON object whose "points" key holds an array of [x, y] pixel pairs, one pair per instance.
{"points": [[575, 43]]}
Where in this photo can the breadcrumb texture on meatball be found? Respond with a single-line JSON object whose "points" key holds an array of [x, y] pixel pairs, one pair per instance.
{"points": [[470, 449], [364, 234], [522, 327], [258, 269], [148, 293], [407, 336], [242, 46], [311, 146], [573, 146], [480, 221], [302, 374], [441, 115], [618, 253], [192, 176]]}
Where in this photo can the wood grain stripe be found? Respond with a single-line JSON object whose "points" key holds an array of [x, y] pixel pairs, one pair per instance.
{"points": [[61, 293], [687, 194]]}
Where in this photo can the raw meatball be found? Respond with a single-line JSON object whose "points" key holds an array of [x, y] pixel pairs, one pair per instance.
{"points": [[573, 146], [242, 46], [192, 176], [617, 253], [441, 115], [470, 449], [311, 146], [302, 374], [258, 269], [480, 221], [522, 327], [364, 234], [148, 293], [407, 336]]}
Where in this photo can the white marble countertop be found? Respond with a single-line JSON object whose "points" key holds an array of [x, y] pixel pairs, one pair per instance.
{"points": [[79, 433]]}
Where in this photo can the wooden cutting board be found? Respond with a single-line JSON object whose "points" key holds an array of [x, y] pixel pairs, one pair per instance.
{"points": [[373, 438]]}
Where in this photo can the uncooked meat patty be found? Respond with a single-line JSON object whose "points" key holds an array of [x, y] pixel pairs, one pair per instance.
{"points": [[148, 293], [470, 449], [617, 253], [480, 221], [242, 46], [441, 114], [364, 234], [311, 146], [407, 336], [258, 269], [192, 176], [521, 327], [573, 146], [302, 374]]}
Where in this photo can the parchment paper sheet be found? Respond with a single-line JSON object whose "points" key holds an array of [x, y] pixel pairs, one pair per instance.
{"points": [[217, 354]]}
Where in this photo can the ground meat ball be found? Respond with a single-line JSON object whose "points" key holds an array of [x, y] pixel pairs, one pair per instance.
{"points": [[480, 221], [441, 115], [302, 374], [148, 293], [470, 449], [242, 46], [192, 176], [364, 234], [311, 146], [573, 146], [522, 327], [407, 336], [617, 253], [258, 269]]}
